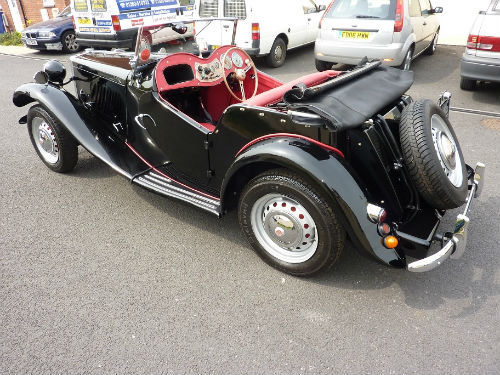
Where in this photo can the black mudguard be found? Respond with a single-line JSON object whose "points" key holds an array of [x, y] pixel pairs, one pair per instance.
{"points": [[332, 176], [63, 106]]}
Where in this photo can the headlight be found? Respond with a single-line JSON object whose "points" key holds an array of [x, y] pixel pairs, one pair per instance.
{"points": [[46, 34]]}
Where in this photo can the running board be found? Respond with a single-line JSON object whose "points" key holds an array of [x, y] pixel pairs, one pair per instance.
{"points": [[165, 186]]}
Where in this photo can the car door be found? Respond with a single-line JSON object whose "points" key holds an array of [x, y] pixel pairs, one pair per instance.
{"points": [[428, 24], [417, 21], [313, 15]]}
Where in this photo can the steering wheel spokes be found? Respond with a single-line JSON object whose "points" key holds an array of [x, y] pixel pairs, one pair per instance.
{"points": [[239, 72]]}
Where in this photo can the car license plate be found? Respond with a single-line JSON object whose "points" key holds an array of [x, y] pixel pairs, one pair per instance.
{"points": [[31, 42], [354, 34]]}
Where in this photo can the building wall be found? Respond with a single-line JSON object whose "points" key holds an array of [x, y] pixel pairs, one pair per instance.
{"points": [[31, 10]]}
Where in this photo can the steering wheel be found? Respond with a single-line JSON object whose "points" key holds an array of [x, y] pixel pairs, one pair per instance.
{"points": [[240, 72]]}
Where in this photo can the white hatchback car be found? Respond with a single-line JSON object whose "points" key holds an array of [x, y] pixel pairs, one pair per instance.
{"points": [[394, 31]]}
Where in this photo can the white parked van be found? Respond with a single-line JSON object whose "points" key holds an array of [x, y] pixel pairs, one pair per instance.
{"points": [[265, 27], [114, 23]]}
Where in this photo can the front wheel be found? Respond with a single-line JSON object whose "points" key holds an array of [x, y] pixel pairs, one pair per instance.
{"points": [[69, 43], [290, 224], [52, 142]]}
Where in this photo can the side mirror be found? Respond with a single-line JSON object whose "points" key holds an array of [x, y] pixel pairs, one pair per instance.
{"points": [[321, 8], [438, 10], [41, 77], [56, 72], [179, 28]]}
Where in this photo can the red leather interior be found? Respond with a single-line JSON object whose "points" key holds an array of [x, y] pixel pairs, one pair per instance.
{"points": [[275, 95]]}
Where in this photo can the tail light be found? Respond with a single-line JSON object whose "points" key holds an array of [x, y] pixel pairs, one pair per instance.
{"points": [[74, 23], [375, 213], [324, 14], [194, 28], [483, 43], [400, 15], [255, 31], [116, 23]]}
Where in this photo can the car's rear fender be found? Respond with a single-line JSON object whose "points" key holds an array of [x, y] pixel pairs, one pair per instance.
{"points": [[63, 106], [331, 175]]}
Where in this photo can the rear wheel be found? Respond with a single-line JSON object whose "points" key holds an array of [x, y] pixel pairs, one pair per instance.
{"points": [[432, 47], [52, 142], [321, 66], [290, 224], [467, 84], [433, 155], [406, 64], [277, 55]]}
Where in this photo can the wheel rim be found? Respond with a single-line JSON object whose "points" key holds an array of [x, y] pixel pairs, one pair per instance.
{"points": [[407, 64], [447, 150], [284, 228], [278, 53], [70, 41], [45, 140]]}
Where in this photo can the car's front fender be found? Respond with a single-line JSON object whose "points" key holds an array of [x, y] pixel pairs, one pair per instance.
{"points": [[330, 173], [63, 106]]}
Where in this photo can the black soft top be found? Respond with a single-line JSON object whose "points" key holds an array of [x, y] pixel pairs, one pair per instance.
{"points": [[354, 97]]}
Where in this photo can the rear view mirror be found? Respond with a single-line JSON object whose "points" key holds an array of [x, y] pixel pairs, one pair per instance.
{"points": [[321, 8], [41, 77], [438, 10]]}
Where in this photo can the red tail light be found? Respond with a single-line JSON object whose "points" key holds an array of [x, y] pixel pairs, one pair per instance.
{"points": [[116, 23], [255, 31], [483, 43], [74, 24], [400, 15], [324, 14]]}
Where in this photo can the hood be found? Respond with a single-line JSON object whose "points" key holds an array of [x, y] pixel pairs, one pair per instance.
{"points": [[50, 24]]}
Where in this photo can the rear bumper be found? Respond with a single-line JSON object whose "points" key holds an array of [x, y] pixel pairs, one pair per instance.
{"points": [[121, 39], [353, 53], [456, 240], [480, 68]]}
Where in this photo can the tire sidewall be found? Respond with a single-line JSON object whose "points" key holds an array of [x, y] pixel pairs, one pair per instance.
{"points": [[63, 41], [272, 61], [309, 200]]}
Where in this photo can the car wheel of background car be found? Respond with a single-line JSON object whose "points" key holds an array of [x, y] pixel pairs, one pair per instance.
{"points": [[407, 61], [277, 55], [290, 224], [69, 43], [321, 66], [467, 84], [52, 142], [432, 155], [432, 47]]}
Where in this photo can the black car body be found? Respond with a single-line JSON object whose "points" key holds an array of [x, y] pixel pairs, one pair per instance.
{"points": [[307, 163]]}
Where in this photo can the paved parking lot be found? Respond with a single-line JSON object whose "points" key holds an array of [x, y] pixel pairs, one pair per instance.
{"points": [[101, 277]]}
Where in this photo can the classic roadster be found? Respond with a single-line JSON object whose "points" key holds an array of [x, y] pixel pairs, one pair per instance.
{"points": [[308, 164]]}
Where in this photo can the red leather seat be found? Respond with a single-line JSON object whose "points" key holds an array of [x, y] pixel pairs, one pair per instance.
{"points": [[276, 94]]}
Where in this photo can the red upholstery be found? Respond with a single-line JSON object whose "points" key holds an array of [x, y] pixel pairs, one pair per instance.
{"points": [[210, 127], [276, 94]]}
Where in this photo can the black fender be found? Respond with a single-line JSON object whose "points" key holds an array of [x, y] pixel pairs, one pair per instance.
{"points": [[63, 106], [331, 174]]}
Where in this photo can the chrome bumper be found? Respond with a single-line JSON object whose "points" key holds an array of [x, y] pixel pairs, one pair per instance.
{"points": [[455, 246]]}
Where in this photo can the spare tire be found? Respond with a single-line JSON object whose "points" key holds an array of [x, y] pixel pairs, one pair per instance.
{"points": [[432, 155]]}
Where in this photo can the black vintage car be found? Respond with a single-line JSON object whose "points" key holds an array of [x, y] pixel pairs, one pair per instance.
{"points": [[308, 164]]}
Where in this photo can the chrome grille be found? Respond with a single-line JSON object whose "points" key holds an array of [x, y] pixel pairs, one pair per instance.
{"points": [[209, 8], [235, 8]]}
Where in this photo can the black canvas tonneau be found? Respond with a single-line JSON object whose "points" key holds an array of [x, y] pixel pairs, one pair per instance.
{"points": [[352, 102]]}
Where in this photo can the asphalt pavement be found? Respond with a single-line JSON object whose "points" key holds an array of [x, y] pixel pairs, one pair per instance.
{"points": [[98, 276]]}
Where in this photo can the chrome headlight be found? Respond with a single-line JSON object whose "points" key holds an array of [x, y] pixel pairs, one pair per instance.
{"points": [[46, 34]]}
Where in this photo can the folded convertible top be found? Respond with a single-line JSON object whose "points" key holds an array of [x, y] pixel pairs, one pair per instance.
{"points": [[347, 103]]}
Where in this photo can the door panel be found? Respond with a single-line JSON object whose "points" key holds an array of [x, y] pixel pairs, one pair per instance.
{"points": [[417, 21]]}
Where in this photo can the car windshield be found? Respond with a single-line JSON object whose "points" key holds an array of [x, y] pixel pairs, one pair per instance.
{"points": [[65, 12], [363, 9], [155, 41]]}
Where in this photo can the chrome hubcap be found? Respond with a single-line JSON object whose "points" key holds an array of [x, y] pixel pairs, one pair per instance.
{"points": [[71, 43], [45, 140], [284, 228], [446, 149], [278, 53]]}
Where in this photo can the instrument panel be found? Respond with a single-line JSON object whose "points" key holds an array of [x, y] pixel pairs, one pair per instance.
{"points": [[209, 72]]}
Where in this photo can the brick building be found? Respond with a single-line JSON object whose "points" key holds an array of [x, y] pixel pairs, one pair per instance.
{"points": [[19, 13]]}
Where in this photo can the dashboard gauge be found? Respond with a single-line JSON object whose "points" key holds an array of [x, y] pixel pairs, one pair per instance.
{"points": [[228, 64], [237, 60]]}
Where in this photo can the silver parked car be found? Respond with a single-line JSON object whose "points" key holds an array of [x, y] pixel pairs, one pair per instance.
{"points": [[481, 60], [394, 31]]}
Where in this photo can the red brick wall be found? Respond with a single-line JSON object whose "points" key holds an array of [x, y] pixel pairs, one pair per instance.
{"points": [[31, 10]]}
